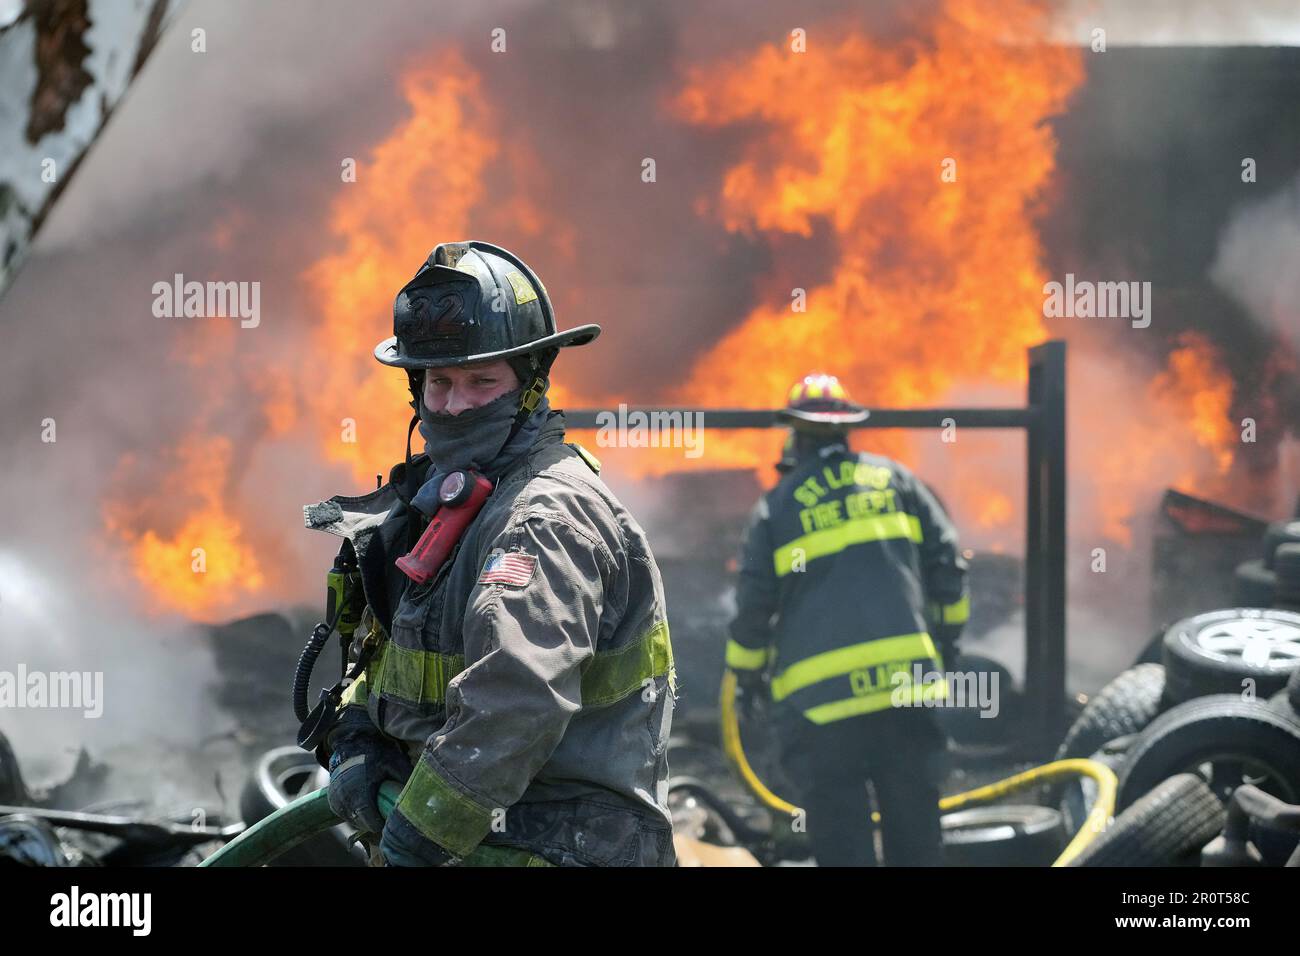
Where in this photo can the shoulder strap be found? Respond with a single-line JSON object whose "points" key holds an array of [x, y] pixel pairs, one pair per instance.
{"points": [[592, 461]]}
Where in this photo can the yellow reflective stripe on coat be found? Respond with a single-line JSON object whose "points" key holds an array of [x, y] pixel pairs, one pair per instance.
{"points": [[958, 612], [419, 676], [907, 695], [441, 812], [859, 530], [354, 693], [845, 660], [489, 854], [741, 658], [416, 676], [612, 675]]}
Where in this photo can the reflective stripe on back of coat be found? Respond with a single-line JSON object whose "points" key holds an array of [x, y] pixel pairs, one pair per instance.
{"points": [[851, 634]]}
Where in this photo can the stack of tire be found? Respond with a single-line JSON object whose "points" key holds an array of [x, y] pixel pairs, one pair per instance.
{"points": [[1272, 580], [279, 777], [1221, 709]]}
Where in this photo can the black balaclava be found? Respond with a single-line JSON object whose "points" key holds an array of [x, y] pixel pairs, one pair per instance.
{"points": [[485, 439]]}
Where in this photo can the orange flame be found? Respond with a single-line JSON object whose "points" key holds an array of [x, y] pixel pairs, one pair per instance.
{"points": [[933, 279], [1174, 430], [422, 181], [200, 561], [1195, 384]]}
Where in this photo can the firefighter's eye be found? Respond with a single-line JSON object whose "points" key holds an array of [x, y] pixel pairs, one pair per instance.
{"points": [[486, 382], [438, 382]]}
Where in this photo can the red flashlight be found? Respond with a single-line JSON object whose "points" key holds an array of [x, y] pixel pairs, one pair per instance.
{"points": [[460, 498]]}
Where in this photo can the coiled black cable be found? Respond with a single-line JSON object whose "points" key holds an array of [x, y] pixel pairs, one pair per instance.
{"points": [[307, 661]]}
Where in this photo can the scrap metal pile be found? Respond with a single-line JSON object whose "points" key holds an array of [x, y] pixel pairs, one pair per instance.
{"points": [[1189, 757]]}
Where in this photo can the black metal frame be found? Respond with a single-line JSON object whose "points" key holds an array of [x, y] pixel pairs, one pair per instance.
{"points": [[1043, 419]]}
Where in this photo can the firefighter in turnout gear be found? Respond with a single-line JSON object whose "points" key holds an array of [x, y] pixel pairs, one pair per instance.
{"points": [[520, 686], [851, 590]]}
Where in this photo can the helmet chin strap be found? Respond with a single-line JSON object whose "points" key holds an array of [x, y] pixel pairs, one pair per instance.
{"points": [[539, 368], [406, 473]]}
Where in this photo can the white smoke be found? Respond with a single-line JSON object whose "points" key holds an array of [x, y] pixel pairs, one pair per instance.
{"points": [[1180, 22], [1258, 262]]}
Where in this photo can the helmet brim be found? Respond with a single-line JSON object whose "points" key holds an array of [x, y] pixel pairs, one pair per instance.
{"points": [[795, 416], [388, 353]]}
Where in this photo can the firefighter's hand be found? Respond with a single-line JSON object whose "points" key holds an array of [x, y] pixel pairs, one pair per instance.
{"points": [[362, 759], [751, 694], [404, 845]]}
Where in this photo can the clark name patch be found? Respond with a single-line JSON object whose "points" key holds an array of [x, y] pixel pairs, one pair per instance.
{"points": [[513, 568]]}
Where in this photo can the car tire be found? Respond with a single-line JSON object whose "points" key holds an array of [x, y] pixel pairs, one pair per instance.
{"points": [[27, 841], [1278, 534], [1286, 569], [1004, 835], [1287, 699], [1225, 739], [1280, 702], [1217, 652], [1151, 653], [1275, 844], [1167, 826], [1254, 585], [1124, 706], [279, 777], [1078, 796]]}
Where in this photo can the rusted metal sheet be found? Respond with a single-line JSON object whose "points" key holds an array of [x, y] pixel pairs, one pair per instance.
{"points": [[64, 67]]}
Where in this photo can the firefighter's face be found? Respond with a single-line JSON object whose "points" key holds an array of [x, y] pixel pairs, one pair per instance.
{"points": [[452, 390]]}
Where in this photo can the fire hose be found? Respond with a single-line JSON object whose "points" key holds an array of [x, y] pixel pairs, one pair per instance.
{"points": [[310, 814], [284, 829], [1098, 818]]}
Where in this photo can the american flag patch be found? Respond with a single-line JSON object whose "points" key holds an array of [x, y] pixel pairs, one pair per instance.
{"points": [[508, 567]]}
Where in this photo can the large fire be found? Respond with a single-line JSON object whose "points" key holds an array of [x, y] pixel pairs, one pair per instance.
{"points": [[925, 161], [917, 167]]}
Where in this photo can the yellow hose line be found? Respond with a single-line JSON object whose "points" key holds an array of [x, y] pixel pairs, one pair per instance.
{"points": [[1098, 818], [731, 746]]}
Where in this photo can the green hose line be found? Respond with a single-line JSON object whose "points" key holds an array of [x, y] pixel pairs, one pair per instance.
{"points": [[301, 820]]}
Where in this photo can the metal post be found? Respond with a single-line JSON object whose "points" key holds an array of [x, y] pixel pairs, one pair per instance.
{"points": [[1045, 544]]}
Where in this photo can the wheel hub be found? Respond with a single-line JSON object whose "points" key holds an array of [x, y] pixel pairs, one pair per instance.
{"points": [[1259, 642]]}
